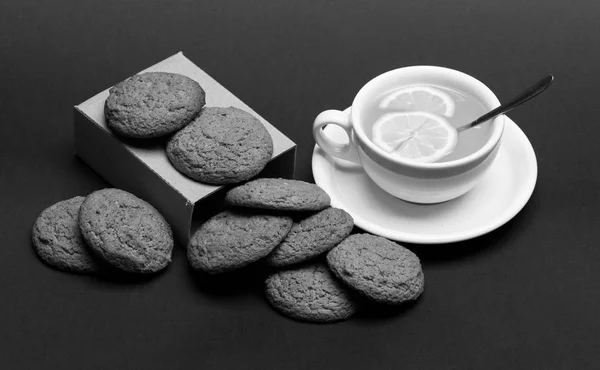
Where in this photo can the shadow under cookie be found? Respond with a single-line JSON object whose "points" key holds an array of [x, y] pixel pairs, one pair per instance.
{"points": [[112, 275], [247, 280], [374, 311]]}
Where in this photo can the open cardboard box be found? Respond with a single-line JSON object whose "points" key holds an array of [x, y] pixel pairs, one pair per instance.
{"points": [[142, 167]]}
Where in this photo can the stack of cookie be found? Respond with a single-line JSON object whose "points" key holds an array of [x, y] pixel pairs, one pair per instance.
{"points": [[109, 227], [284, 221], [362, 267], [290, 224], [212, 145]]}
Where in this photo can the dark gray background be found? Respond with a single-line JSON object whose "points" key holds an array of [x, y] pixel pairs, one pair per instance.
{"points": [[525, 296]]}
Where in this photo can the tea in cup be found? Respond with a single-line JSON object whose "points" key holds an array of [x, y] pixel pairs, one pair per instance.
{"points": [[401, 130]]}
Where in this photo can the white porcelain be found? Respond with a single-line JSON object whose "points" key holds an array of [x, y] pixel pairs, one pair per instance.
{"points": [[498, 197], [409, 180]]}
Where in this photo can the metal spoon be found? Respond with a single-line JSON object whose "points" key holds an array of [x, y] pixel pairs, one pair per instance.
{"points": [[528, 94]]}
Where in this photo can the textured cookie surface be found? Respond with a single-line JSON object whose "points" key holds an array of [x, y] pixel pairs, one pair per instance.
{"points": [[153, 104], [126, 231], [58, 241], [231, 240], [221, 146], [312, 236], [279, 194], [377, 267], [310, 293]]}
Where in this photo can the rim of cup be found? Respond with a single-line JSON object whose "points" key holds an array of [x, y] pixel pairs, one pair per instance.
{"points": [[482, 93]]}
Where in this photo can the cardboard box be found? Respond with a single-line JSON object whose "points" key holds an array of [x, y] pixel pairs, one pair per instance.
{"points": [[142, 167]]}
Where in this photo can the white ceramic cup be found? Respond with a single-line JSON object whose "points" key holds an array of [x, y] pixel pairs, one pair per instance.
{"points": [[405, 179]]}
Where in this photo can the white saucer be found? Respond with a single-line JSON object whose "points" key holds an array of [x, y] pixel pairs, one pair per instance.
{"points": [[501, 194]]}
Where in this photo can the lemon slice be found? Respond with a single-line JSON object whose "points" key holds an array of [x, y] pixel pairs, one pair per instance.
{"points": [[419, 98], [416, 136]]}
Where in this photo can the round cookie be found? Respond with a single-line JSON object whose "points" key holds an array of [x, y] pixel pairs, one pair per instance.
{"points": [[378, 268], [126, 231], [310, 293], [153, 104], [231, 240], [221, 146], [57, 240], [312, 236], [279, 194]]}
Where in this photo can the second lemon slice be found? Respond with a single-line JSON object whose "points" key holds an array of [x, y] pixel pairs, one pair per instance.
{"points": [[416, 136], [419, 98]]}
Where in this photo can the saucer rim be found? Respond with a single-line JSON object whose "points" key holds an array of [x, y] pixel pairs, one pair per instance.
{"points": [[520, 200]]}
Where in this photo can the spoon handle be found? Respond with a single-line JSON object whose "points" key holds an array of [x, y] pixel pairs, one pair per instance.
{"points": [[528, 94]]}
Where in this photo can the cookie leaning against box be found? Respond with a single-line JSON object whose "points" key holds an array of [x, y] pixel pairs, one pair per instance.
{"points": [[312, 236], [153, 104], [126, 231], [57, 239], [378, 268], [221, 146], [310, 293], [233, 239], [279, 194]]}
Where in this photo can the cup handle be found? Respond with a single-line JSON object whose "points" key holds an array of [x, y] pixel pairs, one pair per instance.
{"points": [[347, 151]]}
